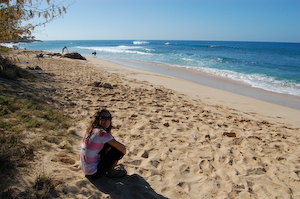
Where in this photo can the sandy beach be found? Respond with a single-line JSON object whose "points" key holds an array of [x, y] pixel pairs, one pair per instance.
{"points": [[183, 139]]}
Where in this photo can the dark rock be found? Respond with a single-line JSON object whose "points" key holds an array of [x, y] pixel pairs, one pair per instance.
{"points": [[29, 68], [55, 54], [97, 84], [107, 85], [145, 154], [74, 56], [229, 134], [100, 84], [40, 55], [166, 124]]}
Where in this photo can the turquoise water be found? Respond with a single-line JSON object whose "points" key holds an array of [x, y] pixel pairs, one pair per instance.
{"points": [[270, 66]]}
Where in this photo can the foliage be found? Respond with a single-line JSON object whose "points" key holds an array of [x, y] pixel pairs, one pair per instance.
{"points": [[43, 186], [13, 14], [27, 124], [5, 49]]}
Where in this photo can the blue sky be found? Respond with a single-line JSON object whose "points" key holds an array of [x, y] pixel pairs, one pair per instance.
{"points": [[213, 20]]}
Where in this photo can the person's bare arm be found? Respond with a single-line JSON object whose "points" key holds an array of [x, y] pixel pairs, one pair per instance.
{"points": [[117, 145]]}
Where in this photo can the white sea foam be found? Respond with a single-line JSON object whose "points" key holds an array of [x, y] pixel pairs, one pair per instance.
{"points": [[188, 59], [140, 42], [258, 81], [116, 49], [196, 55], [9, 45]]}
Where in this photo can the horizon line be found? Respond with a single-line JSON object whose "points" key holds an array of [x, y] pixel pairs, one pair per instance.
{"points": [[165, 40]]}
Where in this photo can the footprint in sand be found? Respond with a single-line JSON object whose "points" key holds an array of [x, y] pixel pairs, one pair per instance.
{"points": [[206, 167], [63, 158], [256, 171]]}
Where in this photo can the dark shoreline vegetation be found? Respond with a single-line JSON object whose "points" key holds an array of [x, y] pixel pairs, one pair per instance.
{"points": [[22, 40], [27, 124]]}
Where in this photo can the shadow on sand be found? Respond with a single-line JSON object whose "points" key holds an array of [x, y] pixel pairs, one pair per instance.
{"points": [[130, 186]]}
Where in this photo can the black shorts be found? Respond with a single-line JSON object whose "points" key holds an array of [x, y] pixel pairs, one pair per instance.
{"points": [[107, 159]]}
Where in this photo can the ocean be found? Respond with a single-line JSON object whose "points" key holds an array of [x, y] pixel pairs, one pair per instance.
{"points": [[273, 67]]}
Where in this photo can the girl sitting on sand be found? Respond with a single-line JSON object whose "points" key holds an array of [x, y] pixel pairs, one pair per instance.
{"points": [[100, 152]]}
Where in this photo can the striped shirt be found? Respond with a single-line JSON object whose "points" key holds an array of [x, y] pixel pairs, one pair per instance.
{"points": [[90, 148]]}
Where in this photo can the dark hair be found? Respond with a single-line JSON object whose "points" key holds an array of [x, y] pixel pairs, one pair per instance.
{"points": [[95, 123]]}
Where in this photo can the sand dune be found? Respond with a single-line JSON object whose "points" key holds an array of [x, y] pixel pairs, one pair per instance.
{"points": [[179, 145]]}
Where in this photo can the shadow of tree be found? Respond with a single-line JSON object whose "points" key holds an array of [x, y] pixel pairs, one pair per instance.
{"points": [[130, 186], [14, 153]]}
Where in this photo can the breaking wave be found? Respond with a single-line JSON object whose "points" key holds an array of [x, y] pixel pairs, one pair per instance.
{"points": [[116, 49], [140, 42]]}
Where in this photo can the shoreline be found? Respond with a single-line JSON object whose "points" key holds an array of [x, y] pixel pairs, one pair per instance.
{"points": [[216, 82], [267, 110]]}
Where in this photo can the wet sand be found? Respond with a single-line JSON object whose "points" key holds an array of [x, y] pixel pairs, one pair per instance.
{"points": [[221, 83]]}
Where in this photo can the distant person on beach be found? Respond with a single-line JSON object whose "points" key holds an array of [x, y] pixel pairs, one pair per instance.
{"points": [[65, 48], [100, 152], [94, 53]]}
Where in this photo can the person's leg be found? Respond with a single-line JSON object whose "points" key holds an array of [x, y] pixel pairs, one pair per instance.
{"points": [[109, 157], [104, 150], [114, 170]]}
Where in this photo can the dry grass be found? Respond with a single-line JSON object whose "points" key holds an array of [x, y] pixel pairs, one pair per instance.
{"points": [[27, 124], [5, 49], [9, 70], [43, 187]]}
